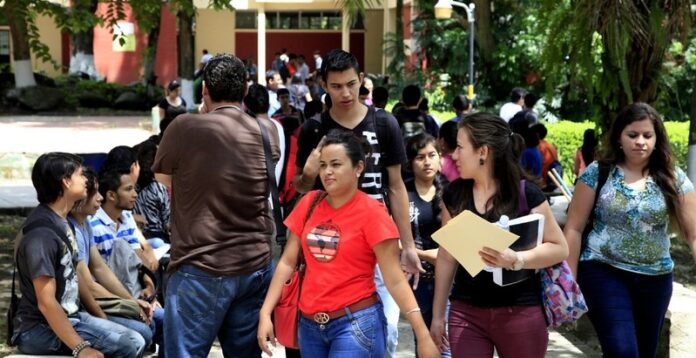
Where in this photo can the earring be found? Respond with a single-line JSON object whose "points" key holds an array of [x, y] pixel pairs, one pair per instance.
{"points": [[481, 161]]}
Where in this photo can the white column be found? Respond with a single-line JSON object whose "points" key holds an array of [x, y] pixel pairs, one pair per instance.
{"points": [[261, 46], [345, 32], [385, 31]]}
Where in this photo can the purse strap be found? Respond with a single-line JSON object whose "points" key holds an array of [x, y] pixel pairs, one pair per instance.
{"points": [[273, 185], [315, 202]]}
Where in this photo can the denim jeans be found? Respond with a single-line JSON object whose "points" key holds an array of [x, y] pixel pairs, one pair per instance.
{"points": [[391, 313], [357, 334], [424, 296], [201, 307], [139, 326], [626, 309], [112, 339]]}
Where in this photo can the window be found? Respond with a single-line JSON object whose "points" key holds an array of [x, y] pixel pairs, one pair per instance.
{"points": [[296, 20], [4, 43]]}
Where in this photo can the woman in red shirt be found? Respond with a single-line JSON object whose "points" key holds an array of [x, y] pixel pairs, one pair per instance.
{"points": [[346, 234]]}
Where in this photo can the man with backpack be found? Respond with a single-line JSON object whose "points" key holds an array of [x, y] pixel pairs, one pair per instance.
{"points": [[49, 320], [382, 178]]}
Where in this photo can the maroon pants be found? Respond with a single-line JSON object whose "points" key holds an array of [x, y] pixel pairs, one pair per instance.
{"points": [[514, 331]]}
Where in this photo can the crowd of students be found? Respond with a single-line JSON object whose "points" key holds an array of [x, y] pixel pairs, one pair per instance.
{"points": [[360, 191]]}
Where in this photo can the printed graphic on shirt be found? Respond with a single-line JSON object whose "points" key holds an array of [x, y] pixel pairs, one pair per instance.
{"points": [[413, 212], [69, 300], [372, 179], [322, 241]]}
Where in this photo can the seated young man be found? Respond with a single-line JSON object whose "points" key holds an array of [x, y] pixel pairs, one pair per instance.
{"points": [[117, 237], [99, 278], [49, 320]]}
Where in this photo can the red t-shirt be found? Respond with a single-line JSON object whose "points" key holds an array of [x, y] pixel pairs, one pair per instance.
{"points": [[337, 245]]}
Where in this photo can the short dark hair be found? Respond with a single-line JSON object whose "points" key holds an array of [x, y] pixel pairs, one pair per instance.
{"points": [[448, 133], [282, 91], [109, 180], [530, 100], [205, 51], [411, 95], [363, 91], [338, 61], [48, 173], [540, 130], [461, 103], [256, 99], [380, 96], [517, 93], [120, 158], [225, 78]]}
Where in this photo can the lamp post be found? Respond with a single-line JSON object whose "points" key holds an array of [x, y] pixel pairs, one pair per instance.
{"points": [[443, 10]]}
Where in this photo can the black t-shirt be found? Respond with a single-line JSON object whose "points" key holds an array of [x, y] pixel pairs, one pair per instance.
{"points": [[42, 253], [386, 151], [170, 112], [425, 220], [481, 290]]}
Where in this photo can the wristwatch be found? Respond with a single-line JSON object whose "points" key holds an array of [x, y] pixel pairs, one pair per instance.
{"points": [[519, 262], [80, 347]]}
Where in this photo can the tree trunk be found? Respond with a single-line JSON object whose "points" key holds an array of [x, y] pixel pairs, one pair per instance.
{"points": [[186, 55], [23, 71], [82, 59], [150, 77], [691, 160], [484, 31], [400, 47]]}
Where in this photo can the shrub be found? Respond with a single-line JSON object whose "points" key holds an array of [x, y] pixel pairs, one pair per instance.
{"points": [[567, 137]]}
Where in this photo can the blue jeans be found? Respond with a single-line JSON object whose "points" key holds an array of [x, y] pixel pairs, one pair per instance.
{"points": [[139, 326], [391, 313], [424, 296], [357, 334], [626, 309], [156, 242], [201, 306], [112, 339]]}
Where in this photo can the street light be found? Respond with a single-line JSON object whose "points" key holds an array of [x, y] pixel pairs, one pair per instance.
{"points": [[443, 10]]}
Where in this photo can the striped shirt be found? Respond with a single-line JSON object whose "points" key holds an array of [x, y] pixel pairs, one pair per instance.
{"points": [[105, 230]]}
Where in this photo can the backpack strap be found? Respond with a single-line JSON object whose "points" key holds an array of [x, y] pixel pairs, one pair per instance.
{"points": [[603, 175], [272, 184]]}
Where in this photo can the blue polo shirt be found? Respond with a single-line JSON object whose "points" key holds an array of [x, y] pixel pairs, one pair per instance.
{"points": [[105, 231]]}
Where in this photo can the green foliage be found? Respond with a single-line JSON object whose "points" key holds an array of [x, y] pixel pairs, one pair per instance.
{"points": [[566, 136], [677, 82]]}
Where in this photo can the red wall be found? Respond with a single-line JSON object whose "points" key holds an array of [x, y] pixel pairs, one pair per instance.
{"points": [[126, 67], [299, 43]]}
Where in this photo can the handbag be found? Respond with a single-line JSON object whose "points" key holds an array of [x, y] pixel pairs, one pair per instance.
{"points": [[561, 296], [286, 312], [116, 306]]}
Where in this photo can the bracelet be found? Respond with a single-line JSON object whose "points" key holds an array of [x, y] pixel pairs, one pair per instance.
{"points": [[80, 347], [417, 309]]}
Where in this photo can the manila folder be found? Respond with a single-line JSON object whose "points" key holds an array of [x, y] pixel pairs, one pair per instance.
{"points": [[466, 234]]}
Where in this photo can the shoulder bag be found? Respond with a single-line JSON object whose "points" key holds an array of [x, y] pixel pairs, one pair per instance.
{"points": [[560, 294], [286, 312]]}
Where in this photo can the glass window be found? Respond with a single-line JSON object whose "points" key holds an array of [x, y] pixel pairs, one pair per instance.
{"points": [[310, 20], [4, 43], [289, 20], [245, 19], [333, 20]]}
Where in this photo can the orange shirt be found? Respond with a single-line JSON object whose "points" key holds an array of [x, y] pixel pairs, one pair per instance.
{"points": [[337, 246], [548, 155]]}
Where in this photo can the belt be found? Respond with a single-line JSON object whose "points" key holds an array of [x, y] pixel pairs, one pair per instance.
{"points": [[325, 317]]}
